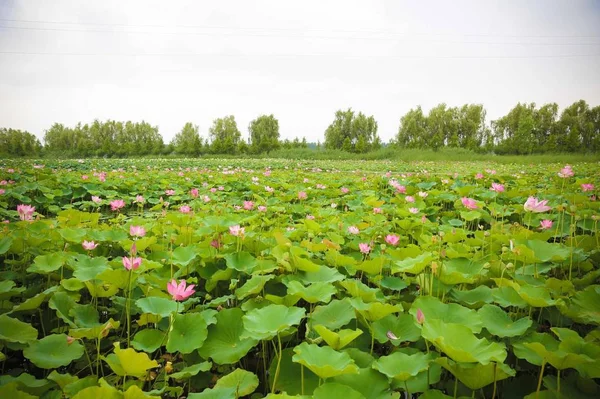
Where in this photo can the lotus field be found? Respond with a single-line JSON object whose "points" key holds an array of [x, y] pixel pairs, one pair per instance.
{"points": [[283, 279]]}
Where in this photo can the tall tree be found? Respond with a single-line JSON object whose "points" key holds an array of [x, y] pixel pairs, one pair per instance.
{"points": [[225, 135], [264, 134], [188, 141], [351, 132], [413, 128]]}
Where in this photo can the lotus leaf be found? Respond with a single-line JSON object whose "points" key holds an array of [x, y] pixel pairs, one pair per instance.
{"points": [[336, 390], [497, 322], [13, 330], [324, 361], [269, 321], [162, 307], [252, 286], [53, 351], [434, 309], [370, 383], [401, 366], [289, 379], [128, 362], [148, 340], [214, 393], [96, 392], [190, 371], [475, 375], [188, 333], [474, 298], [402, 326], [314, 293], [243, 382], [413, 265], [337, 340], [357, 289]]}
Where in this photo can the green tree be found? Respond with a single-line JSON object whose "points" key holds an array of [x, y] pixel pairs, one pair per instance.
{"points": [[225, 135], [348, 130], [412, 130], [18, 143], [188, 141], [264, 134]]}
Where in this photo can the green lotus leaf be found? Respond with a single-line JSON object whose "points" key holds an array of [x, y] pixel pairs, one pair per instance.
{"points": [[101, 290], [35, 301], [27, 383], [162, 307], [290, 375], [190, 371], [357, 289], [584, 307], [219, 275], [243, 382], [337, 340], [214, 393], [285, 396], [7, 289], [538, 297], [86, 268], [475, 375], [497, 322], [370, 383], [545, 251], [460, 344], [401, 366], [374, 310], [252, 286], [524, 352], [63, 303], [53, 351], [267, 322], [13, 330], [85, 315], [182, 256], [336, 390], [96, 332], [324, 361], [96, 392], [148, 340], [402, 326], [44, 264], [314, 293], [224, 344], [134, 392], [474, 298], [371, 266], [434, 394], [72, 235], [241, 261], [72, 284], [508, 296], [412, 265], [323, 275], [10, 391], [62, 380], [334, 315], [334, 258], [128, 362], [188, 333], [571, 342], [304, 264], [393, 283], [5, 244], [559, 359], [434, 309], [462, 270], [76, 386]]}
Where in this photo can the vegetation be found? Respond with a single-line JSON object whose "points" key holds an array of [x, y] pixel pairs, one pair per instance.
{"points": [[224, 278]]}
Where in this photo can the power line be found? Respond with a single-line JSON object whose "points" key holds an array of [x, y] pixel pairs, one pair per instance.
{"points": [[300, 55], [295, 36], [364, 31]]}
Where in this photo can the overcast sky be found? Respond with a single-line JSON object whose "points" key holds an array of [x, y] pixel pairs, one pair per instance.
{"points": [[170, 62]]}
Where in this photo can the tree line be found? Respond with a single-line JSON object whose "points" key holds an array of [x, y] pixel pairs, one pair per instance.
{"points": [[526, 129]]}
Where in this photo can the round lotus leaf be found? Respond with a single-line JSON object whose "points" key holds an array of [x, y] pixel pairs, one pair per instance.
{"points": [[324, 361], [53, 351], [97, 392], [242, 381], [475, 375], [182, 256], [370, 383], [461, 271], [148, 340], [434, 394], [224, 344], [314, 293], [357, 289], [401, 366], [434, 309], [241, 261], [336, 390], [214, 393], [13, 330], [128, 362], [187, 333], [474, 298], [559, 359], [190, 371], [252, 286], [10, 390], [393, 283], [584, 307], [337, 340], [267, 322], [162, 307], [499, 323], [402, 327], [508, 296], [460, 344], [289, 375], [334, 315], [373, 311], [412, 265]]}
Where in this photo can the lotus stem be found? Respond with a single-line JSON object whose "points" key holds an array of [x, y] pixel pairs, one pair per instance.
{"points": [[128, 309], [558, 383], [302, 379], [539, 384], [278, 363], [455, 386], [406, 387], [495, 382]]}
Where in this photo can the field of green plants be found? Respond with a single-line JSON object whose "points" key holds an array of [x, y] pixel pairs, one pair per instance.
{"points": [[283, 279]]}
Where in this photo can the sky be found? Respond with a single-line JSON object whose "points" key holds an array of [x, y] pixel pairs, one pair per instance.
{"points": [[174, 62]]}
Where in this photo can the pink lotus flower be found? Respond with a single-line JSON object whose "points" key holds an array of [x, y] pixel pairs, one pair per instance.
{"points": [[321, 186], [213, 190], [236, 230], [377, 211], [84, 177], [364, 248], [180, 292], [268, 189], [262, 208], [221, 188], [391, 335], [469, 203], [420, 316], [423, 194], [139, 199], [215, 244], [206, 198], [409, 198], [170, 192], [565, 172], [137, 231], [587, 187], [479, 176], [70, 340], [194, 192], [499, 188], [88, 245], [117, 204], [2, 191], [344, 190], [96, 199], [302, 195], [545, 224], [310, 217], [392, 239], [353, 230], [132, 263], [25, 212], [414, 211], [305, 180], [185, 209], [534, 205], [267, 173], [248, 205]]}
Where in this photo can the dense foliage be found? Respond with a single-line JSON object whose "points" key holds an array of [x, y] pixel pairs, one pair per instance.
{"points": [[352, 133], [280, 279]]}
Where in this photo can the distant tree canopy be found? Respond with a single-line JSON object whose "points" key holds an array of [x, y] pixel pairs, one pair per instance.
{"points": [[353, 133], [187, 141], [18, 143], [225, 136], [264, 134]]}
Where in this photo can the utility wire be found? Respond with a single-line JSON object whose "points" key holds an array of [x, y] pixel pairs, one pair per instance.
{"points": [[299, 55], [365, 31]]}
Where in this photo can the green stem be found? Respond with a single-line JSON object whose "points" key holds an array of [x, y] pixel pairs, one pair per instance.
{"points": [[495, 382], [539, 384], [279, 354], [455, 386], [128, 309]]}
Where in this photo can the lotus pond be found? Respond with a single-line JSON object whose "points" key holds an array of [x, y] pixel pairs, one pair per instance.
{"points": [[278, 279]]}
